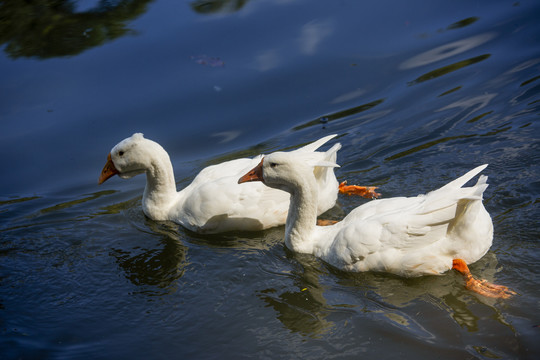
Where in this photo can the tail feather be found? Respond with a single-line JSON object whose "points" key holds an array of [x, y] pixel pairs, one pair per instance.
{"points": [[451, 193], [445, 209], [316, 144], [329, 157], [331, 154], [480, 187], [462, 180]]}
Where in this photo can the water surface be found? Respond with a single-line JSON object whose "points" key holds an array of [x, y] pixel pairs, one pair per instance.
{"points": [[418, 92]]}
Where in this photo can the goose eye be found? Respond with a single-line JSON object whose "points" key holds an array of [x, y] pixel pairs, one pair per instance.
{"points": [[273, 165], [121, 153]]}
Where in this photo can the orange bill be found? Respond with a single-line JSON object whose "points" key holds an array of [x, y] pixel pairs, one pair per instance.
{"points": [[254, 174], [108, 170]]}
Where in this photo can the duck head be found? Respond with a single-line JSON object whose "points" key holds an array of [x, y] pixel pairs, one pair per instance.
{"points": [[130, 157], [285, 170]]}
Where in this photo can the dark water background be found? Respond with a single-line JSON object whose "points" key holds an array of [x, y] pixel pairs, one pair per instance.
{"points": [[418, 91]]}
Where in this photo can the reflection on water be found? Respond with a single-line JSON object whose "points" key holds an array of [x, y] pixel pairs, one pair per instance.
{"points": [[158, 266], [217, 6], [308, 306], [446, 51], [416, 94], [16, 200], [470, 104], [299, 311], [155, 265], [302, 307], [448, 69], [462, 23], [71, 203], [45, 29], [340, 114]]}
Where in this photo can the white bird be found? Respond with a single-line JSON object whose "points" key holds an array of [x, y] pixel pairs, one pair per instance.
{"points": [[409, 236], [214, 202]]}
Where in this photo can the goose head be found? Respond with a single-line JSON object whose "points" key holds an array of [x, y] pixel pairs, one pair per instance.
{"points": [[285, 170], [130, 157]]}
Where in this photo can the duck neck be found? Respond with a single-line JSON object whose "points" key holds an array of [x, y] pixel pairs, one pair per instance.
{"points": [[302, 217], [160, 190]]}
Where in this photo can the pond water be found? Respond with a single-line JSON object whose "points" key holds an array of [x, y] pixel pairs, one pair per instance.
{"points": [[419, 92]]}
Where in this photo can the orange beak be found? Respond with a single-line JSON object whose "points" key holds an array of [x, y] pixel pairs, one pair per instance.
{"points": [[108, 170], [254, 174]]}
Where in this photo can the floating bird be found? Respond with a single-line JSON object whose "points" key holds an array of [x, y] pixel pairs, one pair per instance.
{"points": [[214, 202], [409, 236]]}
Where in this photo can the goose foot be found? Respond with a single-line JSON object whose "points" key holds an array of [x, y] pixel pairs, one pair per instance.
{"points": [[364, 191], [482, 287], [323, 222]]}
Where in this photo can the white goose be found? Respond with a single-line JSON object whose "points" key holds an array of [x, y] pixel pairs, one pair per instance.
{"points": [[214, 202], [408, 236]]}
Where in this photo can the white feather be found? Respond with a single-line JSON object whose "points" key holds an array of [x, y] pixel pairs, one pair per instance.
{"points": [[406, 236], [214, 201]]}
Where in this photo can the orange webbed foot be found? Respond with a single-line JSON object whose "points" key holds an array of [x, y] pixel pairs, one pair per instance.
{"points": [[482, 287], [324, 222], [364, 191]]}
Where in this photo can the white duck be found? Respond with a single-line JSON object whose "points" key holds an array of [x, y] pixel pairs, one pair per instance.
{"points": [[408, 236], [214, 202]]}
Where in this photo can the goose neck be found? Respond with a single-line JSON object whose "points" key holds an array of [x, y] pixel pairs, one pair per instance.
{"points": [[302, 218], [160, 188]]}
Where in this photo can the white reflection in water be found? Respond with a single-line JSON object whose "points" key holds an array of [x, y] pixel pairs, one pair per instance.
{"points": [[475, 103], [227, 136], [349, 96], [267, 60], [527, 64], [445, 51], [312, 34]]}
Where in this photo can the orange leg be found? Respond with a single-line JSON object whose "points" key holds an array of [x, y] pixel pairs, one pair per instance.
{"points": [[364, 191], [322, 222], [482, 287]]}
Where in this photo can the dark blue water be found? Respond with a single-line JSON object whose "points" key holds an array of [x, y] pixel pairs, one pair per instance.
{"points": [[419, 92]]}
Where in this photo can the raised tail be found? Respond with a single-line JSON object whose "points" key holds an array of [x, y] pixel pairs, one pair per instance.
{"points": [[324, 163], [462, 180], [331, 154], [454, 191], [316, 144], [447, 209], [328, 158]]}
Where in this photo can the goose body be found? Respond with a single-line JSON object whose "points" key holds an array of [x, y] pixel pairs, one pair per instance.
{"points": [[213, 202], [412, 236], [408, 236]]}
